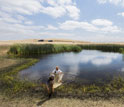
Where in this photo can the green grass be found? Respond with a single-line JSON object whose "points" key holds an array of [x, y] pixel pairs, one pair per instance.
{"points": [[10, 83], [33, 49], [104, 47], [38, 49], [116, 86]]}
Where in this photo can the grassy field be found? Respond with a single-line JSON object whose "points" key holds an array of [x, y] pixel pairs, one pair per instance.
{"points": [[12, 87]]}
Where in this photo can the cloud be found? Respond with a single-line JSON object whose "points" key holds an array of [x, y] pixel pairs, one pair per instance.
{"points": [[4, 17], [28, 22], [16, 19], [111, 29], [73, 11], [102, 22], [115, 2], [26, 29], [102, 1], [121, 14], [71, 25], [50, 27], [56, 8], [98, 58], [101, 61], [60, 8], [54, 11], [97, 25], [122, 70], [20, 17], [17, 25], [21, 6]]}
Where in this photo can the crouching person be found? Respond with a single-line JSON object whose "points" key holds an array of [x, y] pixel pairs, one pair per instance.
{"points": [[50, 84]]}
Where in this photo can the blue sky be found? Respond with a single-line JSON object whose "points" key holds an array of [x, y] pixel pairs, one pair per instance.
{"points": [[87, 20]]}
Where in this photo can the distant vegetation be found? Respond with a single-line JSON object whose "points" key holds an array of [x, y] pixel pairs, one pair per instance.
{"points": [[104, 47], [32, 49], [38, 49]]}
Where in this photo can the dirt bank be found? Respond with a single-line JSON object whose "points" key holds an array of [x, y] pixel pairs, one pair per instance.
{"points": [[59, 102]]}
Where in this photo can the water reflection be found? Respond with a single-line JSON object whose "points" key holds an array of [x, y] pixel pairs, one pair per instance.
{"points": [[87, 66]]}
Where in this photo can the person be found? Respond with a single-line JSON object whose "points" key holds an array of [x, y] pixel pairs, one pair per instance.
{"points": [[57, 72], [49, 85]]}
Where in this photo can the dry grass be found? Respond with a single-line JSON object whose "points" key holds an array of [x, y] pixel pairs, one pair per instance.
{"points": [[35, 41], [7, 62], [4, 102], [82, 103], [59, 102], [4, 61], [3, 50], [55, 41]]}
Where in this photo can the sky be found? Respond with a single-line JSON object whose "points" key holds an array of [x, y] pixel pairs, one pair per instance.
{"points": [[86, 20]]}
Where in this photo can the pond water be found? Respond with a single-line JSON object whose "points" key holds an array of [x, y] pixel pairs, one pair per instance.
{"points": [[87, 67]]}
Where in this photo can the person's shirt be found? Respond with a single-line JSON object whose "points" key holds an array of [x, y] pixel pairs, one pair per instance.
{"points": [[56, 71]]}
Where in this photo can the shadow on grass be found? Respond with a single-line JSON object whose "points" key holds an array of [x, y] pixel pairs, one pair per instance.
{"points": [[43, 100]]}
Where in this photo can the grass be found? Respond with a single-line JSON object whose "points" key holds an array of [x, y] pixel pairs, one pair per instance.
{"points": [[38, 49], [112, 89], [70, 102], [9, 82], [104, 47], [9, 68], [3, 50], [5, 62], [60, 102], [32, 49]]}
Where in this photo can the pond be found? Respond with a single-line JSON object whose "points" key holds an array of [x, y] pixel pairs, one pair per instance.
{"points": [[86, 67]]}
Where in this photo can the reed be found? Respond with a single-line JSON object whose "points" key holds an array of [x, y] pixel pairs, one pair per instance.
{"points": [[32, 49], [104, 47], [39, 49]]}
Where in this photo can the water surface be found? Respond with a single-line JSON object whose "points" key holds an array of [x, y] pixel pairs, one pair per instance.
{"points": [[87, 67]]}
